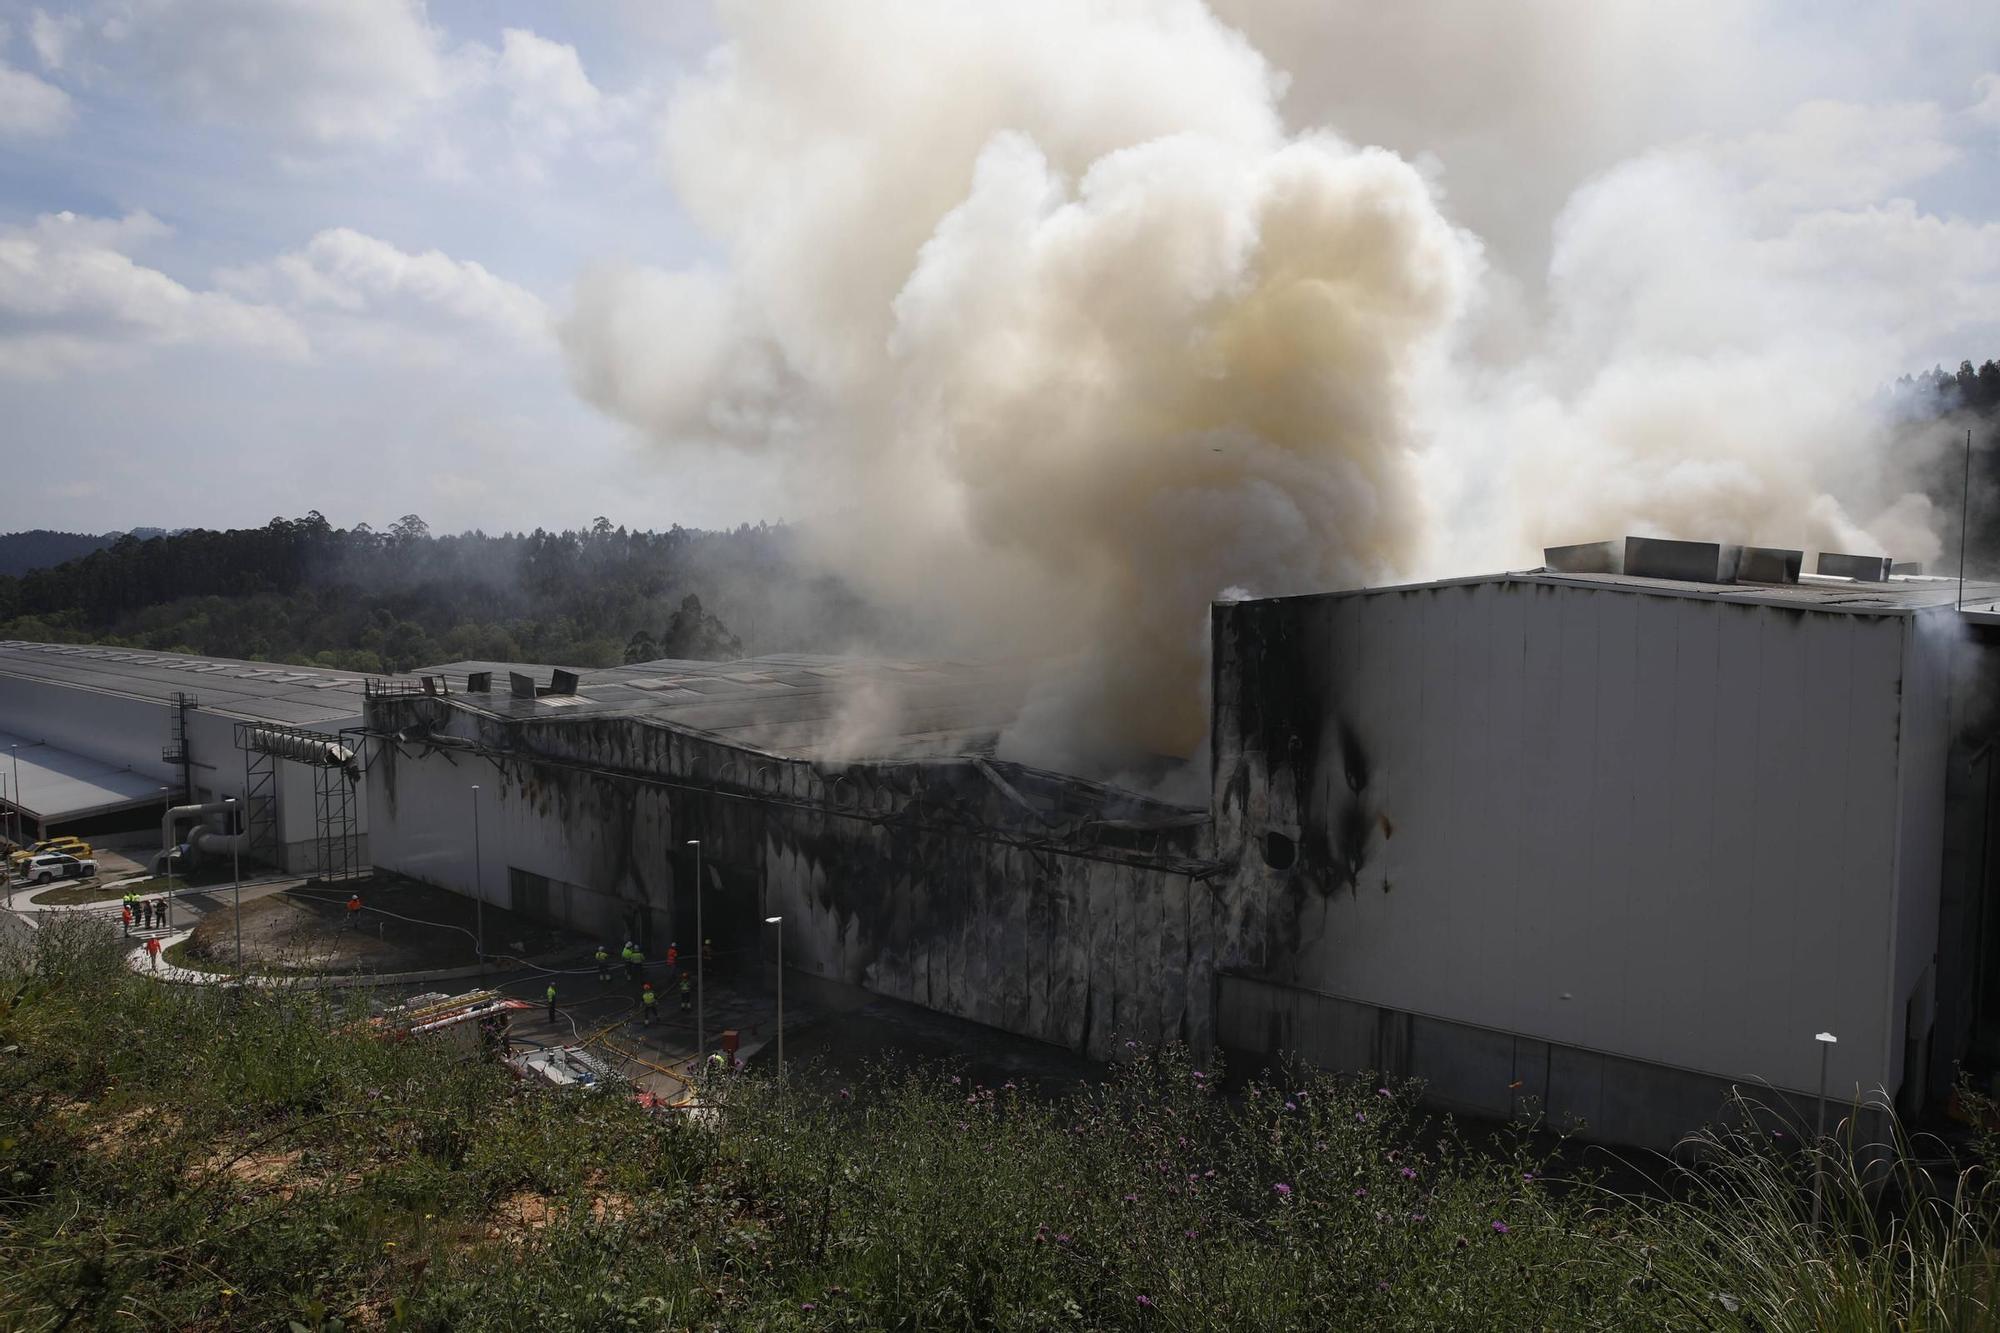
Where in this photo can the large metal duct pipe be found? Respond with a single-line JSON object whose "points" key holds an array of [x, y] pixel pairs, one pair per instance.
{"points": [[174, 816], [321, 754]]}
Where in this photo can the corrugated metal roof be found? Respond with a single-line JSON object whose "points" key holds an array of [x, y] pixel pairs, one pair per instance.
{"points": [[56, 784], [791, 704], [1902, 595], [262, 691]]}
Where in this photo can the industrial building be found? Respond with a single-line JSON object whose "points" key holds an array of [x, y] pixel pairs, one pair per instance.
{"points": [[1610, 837], [857, 800], [103, 741], [1604, 838]]}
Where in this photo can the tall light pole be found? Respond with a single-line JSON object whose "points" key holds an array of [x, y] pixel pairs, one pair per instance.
{"points": [[19, 829], [478, 876], [166, 899], [1826, 1042], [700, 972], [779, 922], [236, 868]]}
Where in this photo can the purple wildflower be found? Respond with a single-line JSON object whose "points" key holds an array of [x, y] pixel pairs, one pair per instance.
{"points": [[1291, 1106], [1199, 1074], [1500, 1227], [846, 1096], [1361, 1116], [1382, 1286], [1282, 1190], [1190, 1233], [1527, 1177], [1146, 1302], [954, 1080], [1062, 1238], [1361, 1192], [1383, 1092], [1416, 1217], [1131, 1198], [1409, 1173], [808, 1307]]}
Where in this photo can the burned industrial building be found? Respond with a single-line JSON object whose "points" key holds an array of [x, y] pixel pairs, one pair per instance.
{"points": [[1602, 838]]}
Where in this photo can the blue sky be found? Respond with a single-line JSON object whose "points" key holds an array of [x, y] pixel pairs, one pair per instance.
{"points": [[260, 256]]}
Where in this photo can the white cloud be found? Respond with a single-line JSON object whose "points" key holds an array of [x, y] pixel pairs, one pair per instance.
{"points": [[29, 107], [51, 37], [72, 296], [344, 271], [320, 71]]}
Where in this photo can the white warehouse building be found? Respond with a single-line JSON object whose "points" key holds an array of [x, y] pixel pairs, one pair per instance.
{"points": [[1608, 843], [101, 741]]}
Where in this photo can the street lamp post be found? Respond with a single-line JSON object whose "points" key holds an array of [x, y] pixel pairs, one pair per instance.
{"points": [[167, 899], [478, 877], [1826, 1042], [700, 971], [779, 922], [236, 869], [20, 831]]}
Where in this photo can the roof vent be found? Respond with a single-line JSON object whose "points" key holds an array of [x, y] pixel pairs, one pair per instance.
{"points": [[1913, 568], [479, 682], [1861, 568], [1584, 558], [1687, 562], [523, 687], [1769, 564], [562, 682]]}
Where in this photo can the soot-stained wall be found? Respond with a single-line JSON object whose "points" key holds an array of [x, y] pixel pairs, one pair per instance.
{"points": [[1669, 829], [973, 893]]}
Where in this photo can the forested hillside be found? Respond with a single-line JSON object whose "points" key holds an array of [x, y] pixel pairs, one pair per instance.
{"points": [[301, 590], [41, 548], [1941, 406]]}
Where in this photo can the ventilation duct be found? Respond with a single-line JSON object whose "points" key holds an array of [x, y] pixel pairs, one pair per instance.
{"points": [[479, 682], [523, 687], [1861, 568], [1584, 558], [1686, 562], [320, 754], [1769, 564]]}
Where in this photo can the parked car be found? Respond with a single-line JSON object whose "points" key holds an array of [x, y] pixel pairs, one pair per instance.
{"points": [[51, 866], [68, 844]]}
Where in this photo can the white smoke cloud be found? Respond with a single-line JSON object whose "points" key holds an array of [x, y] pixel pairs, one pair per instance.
{"points": [[1054, 316], [1065, 318]]}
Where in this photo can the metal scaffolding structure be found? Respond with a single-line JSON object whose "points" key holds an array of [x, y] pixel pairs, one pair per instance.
{"points": [[336, 770]]}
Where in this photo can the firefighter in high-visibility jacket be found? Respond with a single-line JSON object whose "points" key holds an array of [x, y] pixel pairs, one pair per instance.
{"points": [[687, 987], [603, 964], [552, 1002], [650, 1002]]}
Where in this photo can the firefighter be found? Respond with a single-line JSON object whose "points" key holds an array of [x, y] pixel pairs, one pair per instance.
{"points": [[126, 912], [603, 964], [651, 1002], [354, 911], [673, 958], [552, 1002], [146, 914], [687, 988], [707, 954], [153, 950]]}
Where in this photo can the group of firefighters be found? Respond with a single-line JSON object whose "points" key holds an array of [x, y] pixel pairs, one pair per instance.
{"points": [[142, 912], [634, 959]]}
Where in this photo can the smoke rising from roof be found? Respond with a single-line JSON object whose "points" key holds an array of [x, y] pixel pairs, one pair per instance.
{"points": [[1059, 329]]}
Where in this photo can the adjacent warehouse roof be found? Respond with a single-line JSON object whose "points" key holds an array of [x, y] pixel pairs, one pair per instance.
{"points": [[259, 691], [797, 705], [1900, 595], [57, 785]]}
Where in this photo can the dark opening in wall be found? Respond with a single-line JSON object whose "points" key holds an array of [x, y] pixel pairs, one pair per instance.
{"points": [[1280, 852]]}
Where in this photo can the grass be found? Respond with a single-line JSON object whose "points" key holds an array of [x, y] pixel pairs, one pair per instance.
{"points": [[253, 1161], [75, 895]]}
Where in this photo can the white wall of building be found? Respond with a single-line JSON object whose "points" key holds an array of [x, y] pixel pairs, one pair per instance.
{"points": [[1668, 828], [132, 732]]}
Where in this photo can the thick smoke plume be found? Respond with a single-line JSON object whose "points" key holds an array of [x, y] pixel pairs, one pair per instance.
{"points": [[1063, 319]]}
